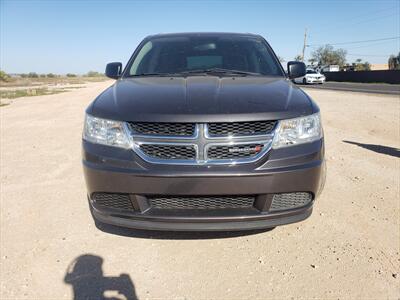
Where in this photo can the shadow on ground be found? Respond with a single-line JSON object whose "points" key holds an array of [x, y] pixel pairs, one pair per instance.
{"points": [[85, 274], [377, 148], [174, 235]]}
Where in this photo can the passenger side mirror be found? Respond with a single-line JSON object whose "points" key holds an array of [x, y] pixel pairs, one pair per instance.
{"points": [[114, 70], [296, 69]]}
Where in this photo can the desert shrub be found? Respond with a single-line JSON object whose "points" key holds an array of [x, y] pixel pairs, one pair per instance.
{"points": [[50, 75], [71, 75], [4, 76], [33, 75], [94, 74]]}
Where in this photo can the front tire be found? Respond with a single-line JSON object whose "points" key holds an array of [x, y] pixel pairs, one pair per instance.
{"points": [[304, 81]]}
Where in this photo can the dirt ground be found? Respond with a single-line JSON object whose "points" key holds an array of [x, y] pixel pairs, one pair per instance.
{"points": [[50, 246]]}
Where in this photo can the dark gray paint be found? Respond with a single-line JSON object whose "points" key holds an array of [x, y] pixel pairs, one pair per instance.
{"points": [[202, 99]]}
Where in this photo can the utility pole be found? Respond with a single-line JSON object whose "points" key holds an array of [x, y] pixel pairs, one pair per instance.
{"points": [[304, 45]]}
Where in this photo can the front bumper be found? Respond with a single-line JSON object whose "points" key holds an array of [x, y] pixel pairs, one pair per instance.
{"points": [[294, 169], [314, 80]]}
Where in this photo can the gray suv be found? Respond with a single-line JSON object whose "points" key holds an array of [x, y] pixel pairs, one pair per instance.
{"points": [[203, 131]]}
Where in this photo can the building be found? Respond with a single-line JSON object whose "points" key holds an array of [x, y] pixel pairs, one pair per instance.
{"points": [[375, 67]]}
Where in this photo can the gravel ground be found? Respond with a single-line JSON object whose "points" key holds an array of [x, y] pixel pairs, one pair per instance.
{"points": [[50, 246]]}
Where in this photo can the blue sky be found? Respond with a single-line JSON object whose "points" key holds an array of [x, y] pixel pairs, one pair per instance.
{"points": [[78, 36]]}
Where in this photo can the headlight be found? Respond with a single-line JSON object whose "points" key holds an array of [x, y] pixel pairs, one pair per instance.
{"points": [[106, 132], [297, 131]]}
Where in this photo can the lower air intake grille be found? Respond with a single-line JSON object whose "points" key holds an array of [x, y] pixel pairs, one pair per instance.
{"points": [[109, 200], [169, 151], [201, 202], [290, 200], [234, 151]]}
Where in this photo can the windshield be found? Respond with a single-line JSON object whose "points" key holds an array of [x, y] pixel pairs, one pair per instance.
{"points": [[177, 55], [311, 72]]}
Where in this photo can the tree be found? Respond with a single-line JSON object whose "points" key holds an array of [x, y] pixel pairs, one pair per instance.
{"points": [[50, 75], [298, 57], [327, 55], [394, 62], [312, 61], [33, 75], [4, 76], [358, 65]]}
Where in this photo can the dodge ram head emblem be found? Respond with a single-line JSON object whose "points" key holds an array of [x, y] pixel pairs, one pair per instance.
{"points": [[254, 149]]}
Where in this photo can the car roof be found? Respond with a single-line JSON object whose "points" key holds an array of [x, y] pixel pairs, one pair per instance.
{"points": [[204, 34]]}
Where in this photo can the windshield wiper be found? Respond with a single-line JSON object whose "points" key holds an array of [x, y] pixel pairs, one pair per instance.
{"points": [[199, 71], [220, 71], [155, 74]]}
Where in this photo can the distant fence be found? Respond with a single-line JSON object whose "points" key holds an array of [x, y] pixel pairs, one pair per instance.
{"points": [[386, 76]]}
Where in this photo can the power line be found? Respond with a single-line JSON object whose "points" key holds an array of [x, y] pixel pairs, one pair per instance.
{"points": [[344, 24], [369, 45], [372, 55], [373, 19], [356, 42]]}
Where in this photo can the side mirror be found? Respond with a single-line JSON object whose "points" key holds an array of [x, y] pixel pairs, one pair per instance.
{"points": [[296, 69], [113, 70]]}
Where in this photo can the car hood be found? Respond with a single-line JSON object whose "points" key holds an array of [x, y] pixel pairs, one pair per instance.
{"points": [[313, 75], [201, 99]]}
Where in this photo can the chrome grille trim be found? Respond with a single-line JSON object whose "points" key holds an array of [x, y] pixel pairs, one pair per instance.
{"points": [[201, 142]]}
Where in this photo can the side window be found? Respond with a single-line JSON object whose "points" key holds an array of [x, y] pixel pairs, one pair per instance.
{"points": [[264, 59]]}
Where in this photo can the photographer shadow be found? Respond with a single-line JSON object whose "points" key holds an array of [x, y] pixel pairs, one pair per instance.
{"points": [[85, 274]]}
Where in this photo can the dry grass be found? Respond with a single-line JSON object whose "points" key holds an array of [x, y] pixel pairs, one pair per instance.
{"points": [[62, 80], [12, 94], [28, 87]]}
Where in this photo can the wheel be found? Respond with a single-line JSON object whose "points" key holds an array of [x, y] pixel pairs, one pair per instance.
{"points": [[304, 81]]}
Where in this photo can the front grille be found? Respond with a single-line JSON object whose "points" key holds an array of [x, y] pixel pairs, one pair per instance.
{"points": [[290, 200], [163, 129], [201, 202], [201, 143], [234, 151], [111, 200], [241, 128], [185, 152]]}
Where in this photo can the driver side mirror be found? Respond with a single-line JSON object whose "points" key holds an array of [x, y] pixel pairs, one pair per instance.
{"points": [[296, 69], [114, 70]]}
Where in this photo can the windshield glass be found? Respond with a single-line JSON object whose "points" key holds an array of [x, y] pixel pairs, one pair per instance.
{"points": [[311, 72], [174, 55]]}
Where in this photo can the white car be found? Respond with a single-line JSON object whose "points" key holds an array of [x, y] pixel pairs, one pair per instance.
{"points": [[311, 77]]}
